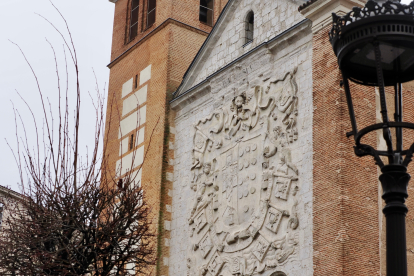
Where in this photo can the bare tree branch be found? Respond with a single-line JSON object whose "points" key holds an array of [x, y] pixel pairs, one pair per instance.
{"points": [[74, 217]]}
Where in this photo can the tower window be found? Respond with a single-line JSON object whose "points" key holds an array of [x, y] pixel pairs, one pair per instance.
{"points": [[249, 26], [131, 142], [120, 183], [206, 11], [151, 12], [133, 30], [1, 214]]}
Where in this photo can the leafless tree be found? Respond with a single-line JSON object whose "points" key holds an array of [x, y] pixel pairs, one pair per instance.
{"points": [[74, 216]]}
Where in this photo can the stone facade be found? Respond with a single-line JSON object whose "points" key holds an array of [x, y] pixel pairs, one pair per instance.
{"points": [[242, 191], [9, 200], [7, 196]]}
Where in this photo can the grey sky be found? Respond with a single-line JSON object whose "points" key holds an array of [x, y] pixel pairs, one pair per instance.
{"points": [[91, 25]]}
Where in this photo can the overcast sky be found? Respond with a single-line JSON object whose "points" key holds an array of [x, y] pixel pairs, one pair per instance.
{"points": [[90, 22]]}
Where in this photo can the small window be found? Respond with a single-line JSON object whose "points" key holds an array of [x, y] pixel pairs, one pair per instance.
{"points": [[249, 26], [279, 273], [206, 11], [120, 183], [131, 142], [1, 214], [151, 12], [136, 81], [133, 30]]}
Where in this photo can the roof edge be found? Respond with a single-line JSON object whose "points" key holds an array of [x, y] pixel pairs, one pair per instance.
{"points": [[9, 191], [213, 31], [304, 5], [266, 43]]}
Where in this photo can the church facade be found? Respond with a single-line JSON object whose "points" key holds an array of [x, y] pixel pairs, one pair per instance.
{"points": [[241, 143], [243, 116]]}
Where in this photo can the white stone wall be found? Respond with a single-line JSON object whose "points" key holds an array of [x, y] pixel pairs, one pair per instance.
{"points": [[131, 131], [257, 69], [270, 19]]}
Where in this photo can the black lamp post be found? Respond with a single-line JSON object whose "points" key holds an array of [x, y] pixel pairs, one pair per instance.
{"points": [[375, 47]]}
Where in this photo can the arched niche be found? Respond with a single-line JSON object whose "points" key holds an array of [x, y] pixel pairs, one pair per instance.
{"points": [[278, 273], [249, 26]]}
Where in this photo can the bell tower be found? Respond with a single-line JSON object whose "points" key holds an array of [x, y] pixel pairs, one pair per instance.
{"points": [[154, 42]]}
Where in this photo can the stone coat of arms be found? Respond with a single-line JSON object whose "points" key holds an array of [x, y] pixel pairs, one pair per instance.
{"points": [[243, 218]]}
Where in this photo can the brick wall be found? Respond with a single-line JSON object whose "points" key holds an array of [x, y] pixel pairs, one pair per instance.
{"points": [[346, 194], [408, 107]]}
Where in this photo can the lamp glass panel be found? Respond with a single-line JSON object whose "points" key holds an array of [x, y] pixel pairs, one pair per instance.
{"points": [[397, 62]]}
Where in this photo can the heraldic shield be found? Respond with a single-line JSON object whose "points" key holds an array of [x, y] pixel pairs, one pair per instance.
{"points": [[239, 188], [243, 218]]}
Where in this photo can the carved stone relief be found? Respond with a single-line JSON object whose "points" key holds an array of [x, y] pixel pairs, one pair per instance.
{"points": [[244, 218]]}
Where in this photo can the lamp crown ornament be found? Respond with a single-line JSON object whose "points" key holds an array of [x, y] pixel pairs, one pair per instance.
{"points": [[375, 47], [391, 26], [372, 8]]}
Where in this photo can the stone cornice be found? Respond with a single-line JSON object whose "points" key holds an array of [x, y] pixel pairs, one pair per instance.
{"points": [[4, 191], [320, 12]]}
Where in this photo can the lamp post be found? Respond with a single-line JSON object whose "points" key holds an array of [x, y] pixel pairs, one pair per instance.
{"points": [[375, 47]]}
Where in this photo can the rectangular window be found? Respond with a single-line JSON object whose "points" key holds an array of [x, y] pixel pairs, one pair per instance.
{"points": [[1, 214], [131, 142], [151, 12], [249, 27], [206, 11], [133, 31], [136, 81]]}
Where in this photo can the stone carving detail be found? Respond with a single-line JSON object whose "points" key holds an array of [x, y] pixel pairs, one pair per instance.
{"points": [[244, 216], [215, 265], [201, 221], [206, 245], [274, 219], [261, 247]]}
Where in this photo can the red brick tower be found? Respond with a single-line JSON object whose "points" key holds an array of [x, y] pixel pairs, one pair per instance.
{"points": [[154, 42]]}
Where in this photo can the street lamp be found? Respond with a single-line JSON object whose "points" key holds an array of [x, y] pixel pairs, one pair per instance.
{"points": [[375, 47]]}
